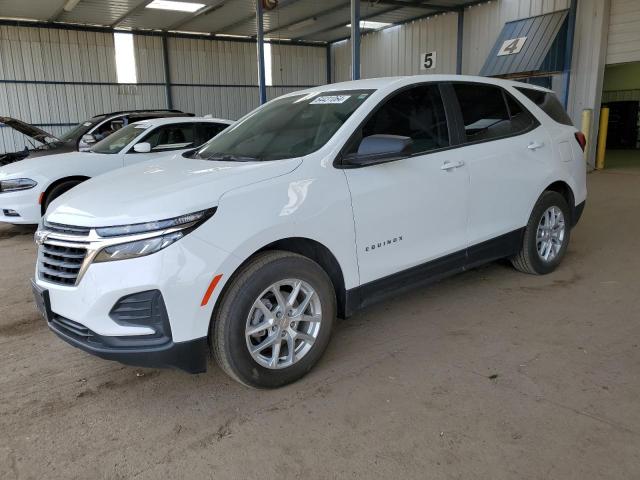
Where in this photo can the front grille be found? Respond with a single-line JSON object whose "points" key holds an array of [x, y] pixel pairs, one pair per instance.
{"points": [[61, 265], [67, 229]]}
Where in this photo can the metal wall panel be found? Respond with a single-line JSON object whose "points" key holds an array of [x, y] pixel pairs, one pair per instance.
{"points": [[57, 77], [221, 78], [397, 50], [624, 32], [298, 65]]}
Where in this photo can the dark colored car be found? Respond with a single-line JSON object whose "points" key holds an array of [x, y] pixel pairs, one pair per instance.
{"points": [[78, 138]]}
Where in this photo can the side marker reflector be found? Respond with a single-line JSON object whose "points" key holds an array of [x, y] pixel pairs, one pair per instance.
{"points": [[40, 198], [209, 292]]}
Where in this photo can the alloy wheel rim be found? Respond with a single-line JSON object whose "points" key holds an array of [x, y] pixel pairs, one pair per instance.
{"points": [[283, 324], [550, 234]]}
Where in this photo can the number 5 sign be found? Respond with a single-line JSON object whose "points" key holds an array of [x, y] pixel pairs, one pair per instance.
{"points": [[428, 61], [514, 45]]}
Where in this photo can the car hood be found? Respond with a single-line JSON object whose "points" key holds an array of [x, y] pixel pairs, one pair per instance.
{"points": [[53, 166], [28, 129], [159, 189]]}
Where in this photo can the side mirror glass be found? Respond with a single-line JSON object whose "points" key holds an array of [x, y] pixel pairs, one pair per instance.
{"points": [[142, 147], [89, 139], [379, 149]]}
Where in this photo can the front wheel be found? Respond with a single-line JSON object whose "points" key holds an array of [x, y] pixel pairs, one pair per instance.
{"points": [[274, 320], [546, 236]]}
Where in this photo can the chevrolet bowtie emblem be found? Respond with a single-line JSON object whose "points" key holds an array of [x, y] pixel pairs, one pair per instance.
{"points": [[40, 236]]}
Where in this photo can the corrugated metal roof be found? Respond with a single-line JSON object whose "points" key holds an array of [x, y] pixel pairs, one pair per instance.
{"points": [[536, 37], [309, 20]]}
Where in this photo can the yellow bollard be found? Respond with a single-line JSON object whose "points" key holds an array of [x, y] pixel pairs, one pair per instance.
{"points": [[585, 128], [602, 137]]}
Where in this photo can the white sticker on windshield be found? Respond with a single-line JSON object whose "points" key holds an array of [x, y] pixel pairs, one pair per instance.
{"points": [[330, 99], [87, 124]]}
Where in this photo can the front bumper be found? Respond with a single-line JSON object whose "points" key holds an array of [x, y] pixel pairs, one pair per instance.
{"points": [[24, 202], [144, 351], [83, 314]]}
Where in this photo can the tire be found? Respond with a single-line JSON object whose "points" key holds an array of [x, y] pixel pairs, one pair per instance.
{"points": [[529, 259], [59, 190], [237, 313]]}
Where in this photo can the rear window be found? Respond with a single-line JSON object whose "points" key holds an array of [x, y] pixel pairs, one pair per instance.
{"points": [[490, 113], [549, 103]]}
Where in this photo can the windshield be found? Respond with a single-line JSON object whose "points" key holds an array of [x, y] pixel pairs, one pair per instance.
{"points": [[120, 139], [74, 133], [285, 128]]}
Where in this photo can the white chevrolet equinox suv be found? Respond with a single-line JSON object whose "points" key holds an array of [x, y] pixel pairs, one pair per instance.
{"points": [[312, 206]]}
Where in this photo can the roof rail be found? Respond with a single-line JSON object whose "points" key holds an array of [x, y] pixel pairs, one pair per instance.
{"points": [[139, 111]]}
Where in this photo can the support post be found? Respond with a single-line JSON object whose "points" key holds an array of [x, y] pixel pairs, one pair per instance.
{"points": [[355, 39], [602, 137], [568, 52], [260, 41], [167, 73], [460, 38], [329, 63]]}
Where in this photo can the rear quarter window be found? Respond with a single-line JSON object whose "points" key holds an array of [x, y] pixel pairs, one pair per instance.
{"points": [[549, 104]]}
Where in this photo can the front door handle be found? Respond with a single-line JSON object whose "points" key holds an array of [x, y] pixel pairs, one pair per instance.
{"points": [[535, 146], [451, 165]]}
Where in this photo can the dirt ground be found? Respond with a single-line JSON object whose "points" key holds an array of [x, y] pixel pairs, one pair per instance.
{"points": [[491, 374]]}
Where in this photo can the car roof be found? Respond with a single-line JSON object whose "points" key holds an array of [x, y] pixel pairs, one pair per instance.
{"points": [[390, 83], [154, 122]]}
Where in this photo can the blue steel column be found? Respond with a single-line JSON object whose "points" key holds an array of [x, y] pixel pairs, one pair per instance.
{"points": [[329, 63], [355, 39], [167, 72], [460, 37], [260, 42], [568, 53]]}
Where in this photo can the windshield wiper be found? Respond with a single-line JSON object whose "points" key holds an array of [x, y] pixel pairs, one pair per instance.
{"points": [[231, 158]]}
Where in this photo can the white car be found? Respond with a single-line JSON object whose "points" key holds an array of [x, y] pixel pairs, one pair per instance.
{"points": [[314, 205], [28, 186]]}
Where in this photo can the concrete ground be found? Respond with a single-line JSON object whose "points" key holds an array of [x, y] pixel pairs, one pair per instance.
{"points": [[488, 375]]}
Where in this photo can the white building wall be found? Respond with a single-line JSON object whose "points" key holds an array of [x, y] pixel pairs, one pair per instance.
{"points": [[56, 78], [221, 77], [624, 32], [397, 50]]}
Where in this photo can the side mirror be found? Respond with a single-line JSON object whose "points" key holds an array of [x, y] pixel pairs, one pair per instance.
{"points": [[142, 147], [89, 139], [379, 149]]}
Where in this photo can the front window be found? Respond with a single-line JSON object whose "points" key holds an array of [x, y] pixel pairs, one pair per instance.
{"points": [[116, 142], [74, 133], [286, 128]]}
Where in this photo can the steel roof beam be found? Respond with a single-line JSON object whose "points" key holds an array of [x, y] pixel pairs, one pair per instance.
{"points": [[128, 13]]}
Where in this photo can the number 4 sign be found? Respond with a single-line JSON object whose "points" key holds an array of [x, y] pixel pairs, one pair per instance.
{"points": [[514, 45], [428, 61]]}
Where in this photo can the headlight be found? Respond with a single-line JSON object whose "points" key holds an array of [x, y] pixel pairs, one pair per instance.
{"points": [[169, 231], [184, 221], [140, 248], [17, 184]]}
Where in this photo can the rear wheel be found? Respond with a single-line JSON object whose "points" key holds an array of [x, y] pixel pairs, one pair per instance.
{"points": [[57, 191], [546, 236], [274, 320]]}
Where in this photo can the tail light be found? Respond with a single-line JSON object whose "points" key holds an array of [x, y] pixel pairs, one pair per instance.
{"points": [[582, 140]]}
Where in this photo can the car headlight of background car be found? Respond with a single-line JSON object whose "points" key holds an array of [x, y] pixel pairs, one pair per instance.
{"points": [[169, 232], [16, 184]]}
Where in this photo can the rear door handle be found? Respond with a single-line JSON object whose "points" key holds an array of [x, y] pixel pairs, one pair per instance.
{"points": [[535, 146], [451, 165]]}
